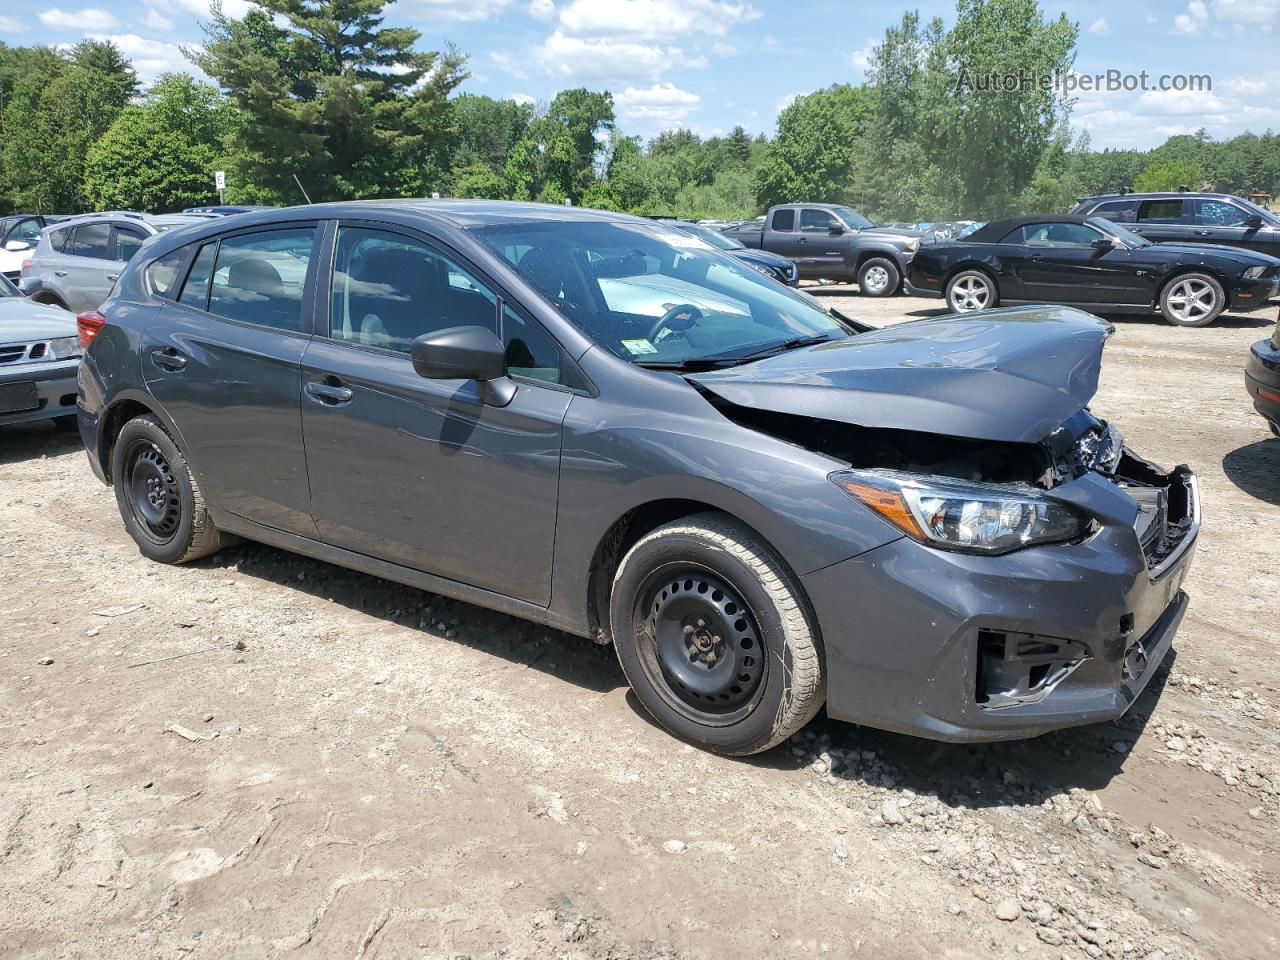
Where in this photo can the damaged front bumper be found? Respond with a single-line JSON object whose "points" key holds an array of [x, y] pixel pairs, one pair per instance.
{"points": [[955, 646]]}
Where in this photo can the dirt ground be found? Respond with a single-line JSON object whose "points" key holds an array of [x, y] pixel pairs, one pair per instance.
{"points": [[263, 756]]}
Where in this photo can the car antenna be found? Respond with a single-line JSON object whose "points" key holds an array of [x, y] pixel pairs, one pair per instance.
{"points": [[301, 187]]}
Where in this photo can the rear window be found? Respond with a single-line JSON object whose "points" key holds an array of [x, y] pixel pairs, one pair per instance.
{"points": [[1160, 211], [259, 278], [784, 220], [195, 292]]}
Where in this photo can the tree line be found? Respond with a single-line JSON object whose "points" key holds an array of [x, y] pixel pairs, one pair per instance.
{"points": [[323, 96]]}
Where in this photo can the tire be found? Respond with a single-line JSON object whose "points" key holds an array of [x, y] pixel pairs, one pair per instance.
{"points": [[971, 290], [879, 277], [705, 588], [159, 500], [1192, 300]]}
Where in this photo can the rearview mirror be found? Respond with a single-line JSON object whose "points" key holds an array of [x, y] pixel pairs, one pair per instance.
{"points": [[13, 246], [465, 353]]}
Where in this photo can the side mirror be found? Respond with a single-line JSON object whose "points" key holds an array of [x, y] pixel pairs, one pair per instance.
{"points": [[836, 229], [1253, 222], [14, 246], [1103, 244], [465, 353]]}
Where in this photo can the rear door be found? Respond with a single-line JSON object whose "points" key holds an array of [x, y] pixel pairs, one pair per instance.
{"points": [[421, 472], [80, 271], [1166, 219], [224, 361], [782, 235]]}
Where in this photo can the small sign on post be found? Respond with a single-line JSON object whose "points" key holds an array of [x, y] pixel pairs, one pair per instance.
{"points": [[220, 181]]}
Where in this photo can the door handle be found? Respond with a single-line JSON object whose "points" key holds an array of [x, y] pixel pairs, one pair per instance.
{"points": [[1204, 233], [329, 393], [59, 273], [113, 276], [169, 359]]}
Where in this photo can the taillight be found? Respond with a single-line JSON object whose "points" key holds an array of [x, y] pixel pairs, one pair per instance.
{"points": [[87, 326], [26, 264]]}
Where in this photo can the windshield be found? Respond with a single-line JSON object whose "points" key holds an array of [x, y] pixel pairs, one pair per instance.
{"points": [[1263, 212], [852, 218], [657, 296], [1111, 228], [7, 289], [712, 236]]}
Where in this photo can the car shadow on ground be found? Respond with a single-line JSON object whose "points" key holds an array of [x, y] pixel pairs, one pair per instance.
{"points": [[521, 643], [979, 775], [1255, 469], [29, 441]]}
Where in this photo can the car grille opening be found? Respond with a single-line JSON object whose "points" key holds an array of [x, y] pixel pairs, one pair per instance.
{"points": [[1021, 668], [1166, 510]]}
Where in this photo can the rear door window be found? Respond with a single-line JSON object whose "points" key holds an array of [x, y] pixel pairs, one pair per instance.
{"points": [[91, 240], [784, 220], [1161, 211], [260, 278]]}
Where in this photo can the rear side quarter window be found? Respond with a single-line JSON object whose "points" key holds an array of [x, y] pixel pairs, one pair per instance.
{"points": [[165, 274], [784, 220]]}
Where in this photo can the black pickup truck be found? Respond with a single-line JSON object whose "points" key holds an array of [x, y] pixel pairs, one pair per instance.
{"points": [[831, 242]]}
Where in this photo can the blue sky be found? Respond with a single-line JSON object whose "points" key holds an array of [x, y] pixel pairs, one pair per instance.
{"points": [[711, 64]]}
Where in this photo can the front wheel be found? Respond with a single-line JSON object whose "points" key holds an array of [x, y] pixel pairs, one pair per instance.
{"points": [[972, 290], [879, 277], [1192, 300], [715, 636], [159, 500]]}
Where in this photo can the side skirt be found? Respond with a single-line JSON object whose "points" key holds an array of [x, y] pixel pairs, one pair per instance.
{"points": [[1088, 307], [250, 530]]}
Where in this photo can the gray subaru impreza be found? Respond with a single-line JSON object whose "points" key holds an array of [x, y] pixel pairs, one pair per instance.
{"points": [[607, 426]]}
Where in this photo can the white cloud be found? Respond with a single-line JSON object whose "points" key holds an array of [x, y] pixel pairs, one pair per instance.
{"points": [[861, 59], [1183, 102], [157, 20], [606, 60], [663, 103], [150, 57], [11, 25], [87, 19], [542, 9], [522, 98], [1194, 20], [720, 48], [1100, 26], [653, 19], [235, 9], [1257, 13], [786, 100]]}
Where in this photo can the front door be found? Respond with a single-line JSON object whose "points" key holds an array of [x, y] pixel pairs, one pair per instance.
{"points": [[224, 361], [1059, 263], [823, 250], [1221, 221], [422, 472]]}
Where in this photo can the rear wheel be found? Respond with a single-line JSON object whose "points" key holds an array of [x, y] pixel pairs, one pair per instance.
{"points": [[159, 500], [972, 290], [879, 277], [1192, 300], [715, 637]]}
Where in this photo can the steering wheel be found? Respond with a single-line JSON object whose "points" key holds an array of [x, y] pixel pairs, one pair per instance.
{"points": [[678, 320]]}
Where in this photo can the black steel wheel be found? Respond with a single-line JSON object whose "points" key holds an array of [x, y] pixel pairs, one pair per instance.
{"points": [[152, 490], [703, 646], [716, 636], [159, 500]]}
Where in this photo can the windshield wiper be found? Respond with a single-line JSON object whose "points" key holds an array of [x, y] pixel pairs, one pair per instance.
{"points": [[794, 343]]}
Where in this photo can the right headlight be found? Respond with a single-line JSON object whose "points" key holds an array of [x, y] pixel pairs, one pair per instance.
{"points": [[1255, 273], [953, 514]]}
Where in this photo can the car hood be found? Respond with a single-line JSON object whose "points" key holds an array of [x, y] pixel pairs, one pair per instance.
{"points": [[20, 319], [1012, 375], [1253, 258], [760, 256], [895, 232]]}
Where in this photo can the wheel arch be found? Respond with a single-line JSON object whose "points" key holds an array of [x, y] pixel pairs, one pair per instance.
{"points": [[1181, 271], [970, 265], [629, 529], [121, 410]]}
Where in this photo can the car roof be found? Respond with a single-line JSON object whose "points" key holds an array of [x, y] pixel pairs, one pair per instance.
{"points": [[997, 230], [1165, 195]]}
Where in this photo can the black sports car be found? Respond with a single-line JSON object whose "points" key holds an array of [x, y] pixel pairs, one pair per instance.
{"points": [[1262, 378], [770, 264], [1095, 264]]}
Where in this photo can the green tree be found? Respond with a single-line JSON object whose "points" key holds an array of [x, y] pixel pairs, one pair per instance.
{"points": [[52, 117], [556, 158], [333, 97], [814, 154], [160, 155], [488, 129], [478, 180], [1169, 175]]}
